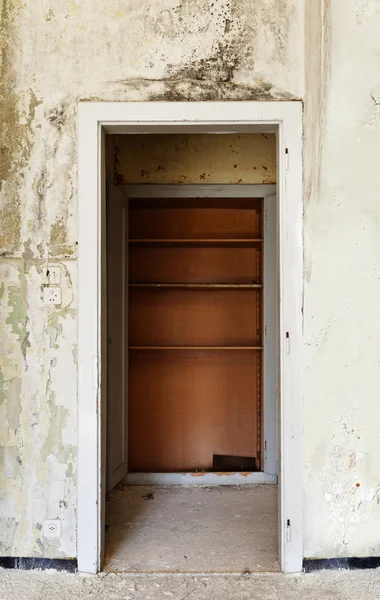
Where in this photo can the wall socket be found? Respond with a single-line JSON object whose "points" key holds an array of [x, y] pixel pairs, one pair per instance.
{"points": [[52, 275], [52, 528], [52, 295]]}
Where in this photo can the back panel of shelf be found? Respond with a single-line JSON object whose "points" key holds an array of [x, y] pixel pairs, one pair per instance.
{"points": [[188, 401]]}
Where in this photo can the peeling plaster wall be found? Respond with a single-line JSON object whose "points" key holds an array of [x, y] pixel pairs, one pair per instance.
{"points": [[342, 279], [197, 158], [53, 54]]}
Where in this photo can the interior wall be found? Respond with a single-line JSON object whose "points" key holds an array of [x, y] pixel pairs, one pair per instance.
{"points": [[55, 54], [197, 158], [342, 247]]}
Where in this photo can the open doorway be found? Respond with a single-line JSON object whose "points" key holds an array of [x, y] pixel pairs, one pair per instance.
{"points": [[95, 121], [192, 365]]}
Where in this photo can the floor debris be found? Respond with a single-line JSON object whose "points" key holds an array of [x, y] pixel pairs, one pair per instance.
{"points": [[225, 529], [149, 496], [323, 585]]}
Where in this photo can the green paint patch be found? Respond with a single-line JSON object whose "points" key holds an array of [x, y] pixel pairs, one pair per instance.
{"points": [[53, 443], [13, 394], [17, 317]]}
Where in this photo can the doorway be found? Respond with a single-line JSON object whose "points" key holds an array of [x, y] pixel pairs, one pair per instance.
{"points": [[283, 118], [188, 403]]}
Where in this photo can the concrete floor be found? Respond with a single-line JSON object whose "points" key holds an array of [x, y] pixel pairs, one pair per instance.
{"points": [[192, 529], [324, 585]]}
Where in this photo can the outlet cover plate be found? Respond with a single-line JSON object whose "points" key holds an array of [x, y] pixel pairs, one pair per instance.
{"points": [[52, 295], [52, 528]]}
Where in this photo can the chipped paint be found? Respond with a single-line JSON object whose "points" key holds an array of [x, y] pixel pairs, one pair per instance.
{"points": [[53, 55], [36, 413]]}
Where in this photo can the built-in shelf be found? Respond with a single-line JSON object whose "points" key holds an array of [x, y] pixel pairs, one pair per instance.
{"points": [[199, 286], [195, 347], [196, 241]]}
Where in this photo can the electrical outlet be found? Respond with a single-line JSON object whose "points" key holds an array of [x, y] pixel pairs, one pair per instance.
{"points": [[52, 528], [52, 275], [52, 295]]}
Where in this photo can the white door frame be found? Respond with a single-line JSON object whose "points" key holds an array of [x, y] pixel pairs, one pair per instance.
{"points": [[94, 121]]}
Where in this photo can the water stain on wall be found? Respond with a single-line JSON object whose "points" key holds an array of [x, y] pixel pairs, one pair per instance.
{"points": [[194, 159], [215, 75], [120, 50]]}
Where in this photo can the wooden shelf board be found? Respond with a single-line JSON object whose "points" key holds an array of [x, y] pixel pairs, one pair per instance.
{"points": [[201, 286], [196, 241], [195, 348]]}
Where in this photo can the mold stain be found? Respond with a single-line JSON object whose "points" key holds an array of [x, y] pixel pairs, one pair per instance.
{"points": [[214, 76], [58, 233], [49, 15], [117, 177], [59, 246], [211, 77]]}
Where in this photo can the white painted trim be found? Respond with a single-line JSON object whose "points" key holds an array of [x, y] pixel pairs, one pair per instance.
{"points": [[268, 193], [199, 479], [290, 218], [102, 315], [222, 117], [89, 421], [117, 209], [271, 301], [191, 190]]}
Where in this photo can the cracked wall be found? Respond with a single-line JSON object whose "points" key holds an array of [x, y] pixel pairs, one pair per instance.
{"points": [[53, 55]]}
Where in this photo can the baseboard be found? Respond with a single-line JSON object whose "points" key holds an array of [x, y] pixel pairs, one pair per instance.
{"points": [[320, 564], [208, 479], [30, 563]]}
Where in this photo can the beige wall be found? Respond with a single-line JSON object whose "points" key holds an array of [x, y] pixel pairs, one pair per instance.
{"points": [[56, 53], [245, 158], [342, 280]]}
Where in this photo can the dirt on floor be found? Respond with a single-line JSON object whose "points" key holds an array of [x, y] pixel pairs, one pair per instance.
{"points": [[323, 585], [192, 529]]}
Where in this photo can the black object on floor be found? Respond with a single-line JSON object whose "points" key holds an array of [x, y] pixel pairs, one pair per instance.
{"points": [[29, 563], [224, 462], [319, 564]]}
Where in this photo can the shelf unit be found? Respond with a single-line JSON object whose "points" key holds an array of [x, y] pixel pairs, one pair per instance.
{"points": [[195, 329]]}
